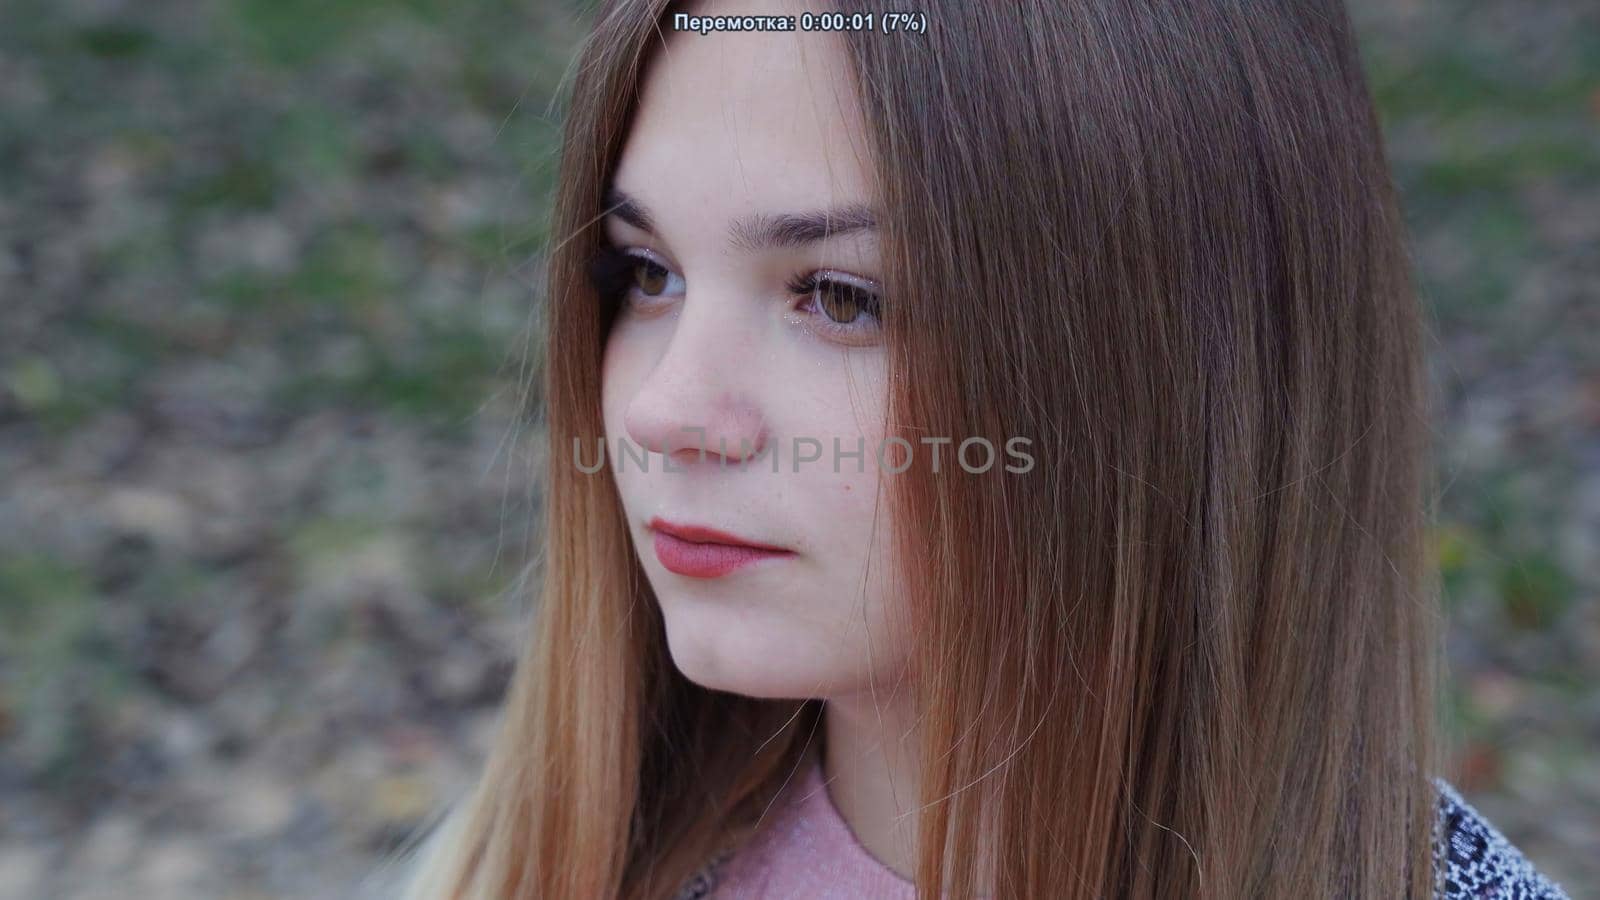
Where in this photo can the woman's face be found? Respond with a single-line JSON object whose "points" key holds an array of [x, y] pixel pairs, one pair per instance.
{"points": [[745, 342]]}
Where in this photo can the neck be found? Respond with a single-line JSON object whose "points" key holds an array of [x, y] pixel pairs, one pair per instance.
{"points": [[871, 763]]}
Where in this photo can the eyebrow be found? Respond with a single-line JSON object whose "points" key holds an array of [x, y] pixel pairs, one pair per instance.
{"points": [[762, 231]]}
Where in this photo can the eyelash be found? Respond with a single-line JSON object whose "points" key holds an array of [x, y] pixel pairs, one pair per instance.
{"points": [[611, 273]]}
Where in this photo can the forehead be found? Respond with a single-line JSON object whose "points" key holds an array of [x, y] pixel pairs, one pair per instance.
{"points": [[746, 121]]}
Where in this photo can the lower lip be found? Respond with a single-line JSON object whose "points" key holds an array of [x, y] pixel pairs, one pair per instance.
{"points": [[698, 560]]}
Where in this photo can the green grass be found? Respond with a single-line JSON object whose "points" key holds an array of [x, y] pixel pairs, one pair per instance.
{"points": [[1535, 590], [1443, 68], [64, 672]]}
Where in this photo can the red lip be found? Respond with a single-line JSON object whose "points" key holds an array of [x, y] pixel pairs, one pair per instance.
{"points": [[700, 552]]}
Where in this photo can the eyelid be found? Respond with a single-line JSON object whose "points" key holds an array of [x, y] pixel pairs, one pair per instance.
{"points": [[865, 284], [646, 253]]}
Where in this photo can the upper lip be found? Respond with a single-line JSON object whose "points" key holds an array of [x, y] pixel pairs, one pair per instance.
{"points": [[701, 534]]}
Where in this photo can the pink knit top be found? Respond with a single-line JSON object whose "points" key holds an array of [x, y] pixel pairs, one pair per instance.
{"points": [[805, 849]]}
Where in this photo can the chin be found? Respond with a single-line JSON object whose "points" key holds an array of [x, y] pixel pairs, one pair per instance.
{"points": [[711, 654]]}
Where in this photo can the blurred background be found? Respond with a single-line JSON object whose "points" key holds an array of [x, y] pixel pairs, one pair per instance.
{"points": [[266, 271]]}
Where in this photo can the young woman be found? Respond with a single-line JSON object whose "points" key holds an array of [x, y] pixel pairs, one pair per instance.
{"points": [[987, 452]]}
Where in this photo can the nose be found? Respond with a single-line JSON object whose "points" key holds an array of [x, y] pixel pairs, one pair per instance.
{"points": [[696, 403]]}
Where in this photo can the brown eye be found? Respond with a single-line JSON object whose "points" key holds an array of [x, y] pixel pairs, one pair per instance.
{"points": [[838, 308], [650, 277], [840, 302]]}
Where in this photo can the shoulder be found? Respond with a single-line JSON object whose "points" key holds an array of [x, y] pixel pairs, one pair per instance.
{"points": [[1476, 862]]}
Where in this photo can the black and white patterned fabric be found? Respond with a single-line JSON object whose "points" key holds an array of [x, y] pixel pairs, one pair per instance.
{"points": [[1476, 862], [1473, 860], [704, 881]]}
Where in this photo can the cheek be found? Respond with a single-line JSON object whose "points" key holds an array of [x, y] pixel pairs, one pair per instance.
{"points": [[619, 378], [621, 373], [856, 539], [850, 494]]}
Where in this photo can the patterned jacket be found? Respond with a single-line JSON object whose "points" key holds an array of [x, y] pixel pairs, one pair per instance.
{"points": [[1473, 860]]}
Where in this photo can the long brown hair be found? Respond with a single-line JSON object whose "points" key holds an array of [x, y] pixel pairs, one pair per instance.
{"points": [[1190, 653]]}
